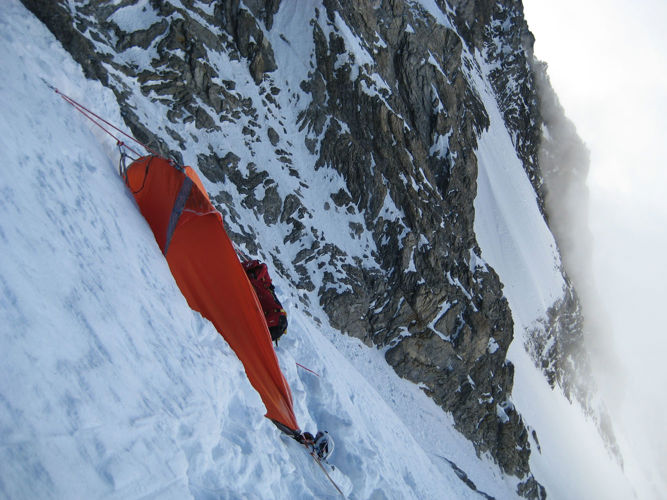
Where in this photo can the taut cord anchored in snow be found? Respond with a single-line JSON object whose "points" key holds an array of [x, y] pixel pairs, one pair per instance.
{"points": [[319, 462], [307, 369], [96, 119]]}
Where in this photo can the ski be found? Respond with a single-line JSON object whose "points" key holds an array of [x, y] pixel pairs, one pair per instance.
{"points": [[326, 473]]}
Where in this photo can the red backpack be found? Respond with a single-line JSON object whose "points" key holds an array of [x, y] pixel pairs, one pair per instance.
{"points": [[275, 315]]}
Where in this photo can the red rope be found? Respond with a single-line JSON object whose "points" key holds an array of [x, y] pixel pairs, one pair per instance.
{"points": [[93, 117], [311, 371]]}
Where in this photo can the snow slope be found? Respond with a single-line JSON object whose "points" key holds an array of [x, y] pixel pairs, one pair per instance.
{"points": [[570, 459], [112, 387]]}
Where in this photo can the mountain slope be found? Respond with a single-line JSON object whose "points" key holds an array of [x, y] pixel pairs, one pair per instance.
{"points": [[376, 228], [354, 175], [113, 386]]}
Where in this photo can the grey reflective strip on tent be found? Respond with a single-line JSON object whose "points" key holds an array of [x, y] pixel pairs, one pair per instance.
{"points": [[176, 212]]}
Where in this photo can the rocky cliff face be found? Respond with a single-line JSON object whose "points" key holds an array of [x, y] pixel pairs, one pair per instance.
{"points": [[339, 137]]}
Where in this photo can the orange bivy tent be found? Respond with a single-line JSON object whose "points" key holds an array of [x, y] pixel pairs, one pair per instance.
{"points": [[191, 235]]}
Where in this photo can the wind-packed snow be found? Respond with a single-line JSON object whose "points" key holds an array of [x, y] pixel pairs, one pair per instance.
{"points": [[509, 227]]}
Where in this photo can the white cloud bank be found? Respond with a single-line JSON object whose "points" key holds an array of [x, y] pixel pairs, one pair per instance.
{"points": [[608, 63]]}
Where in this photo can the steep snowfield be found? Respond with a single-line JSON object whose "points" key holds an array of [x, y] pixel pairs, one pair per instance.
{"points": [[572, 461]]}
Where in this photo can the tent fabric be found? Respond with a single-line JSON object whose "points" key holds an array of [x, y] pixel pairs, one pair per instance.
{"points": [[190, 233]]}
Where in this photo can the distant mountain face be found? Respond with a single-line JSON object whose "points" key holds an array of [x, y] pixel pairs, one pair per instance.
{"points": [[339, 140]]}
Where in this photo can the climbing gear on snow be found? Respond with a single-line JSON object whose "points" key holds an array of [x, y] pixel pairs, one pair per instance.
{"points": [[98, 120], [323, 445]]}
